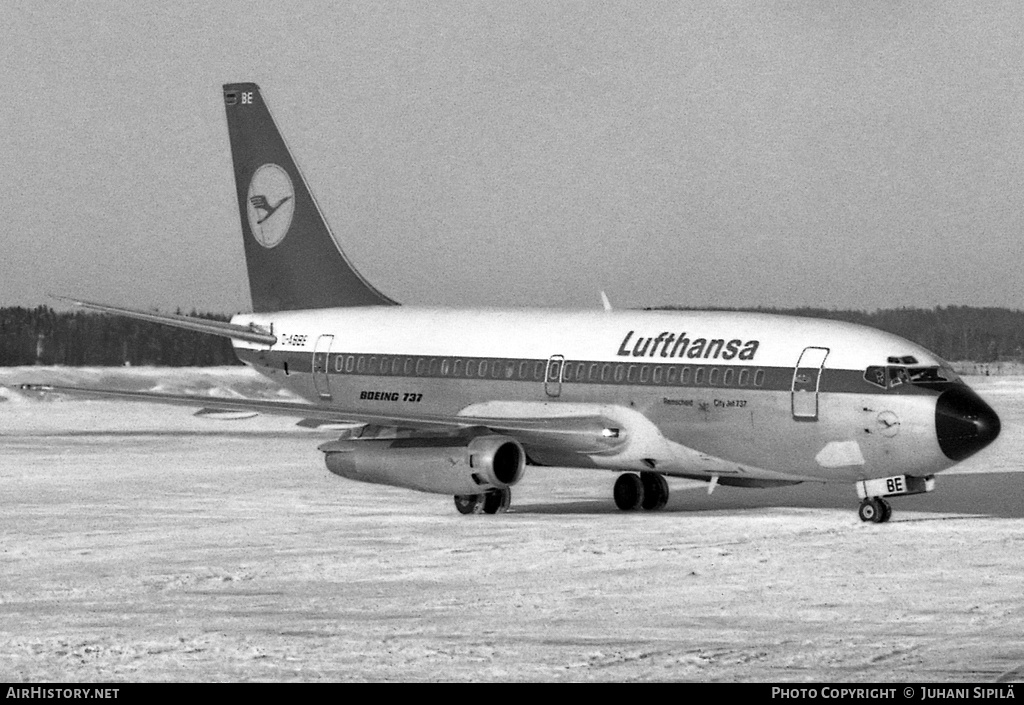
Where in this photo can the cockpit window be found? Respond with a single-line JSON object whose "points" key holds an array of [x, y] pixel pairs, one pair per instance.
{"points": [[932, 375], [876, 375], [898, 376], [894, 376], [905, 360]]}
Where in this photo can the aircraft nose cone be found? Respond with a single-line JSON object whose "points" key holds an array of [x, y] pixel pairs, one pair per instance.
{"points": [[964, 423]]}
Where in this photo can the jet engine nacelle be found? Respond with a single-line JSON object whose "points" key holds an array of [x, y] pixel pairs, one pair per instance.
{"points": [[454, 466]]}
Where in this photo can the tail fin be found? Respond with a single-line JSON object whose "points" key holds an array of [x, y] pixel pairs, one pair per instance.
{"points": [[292, 257]]}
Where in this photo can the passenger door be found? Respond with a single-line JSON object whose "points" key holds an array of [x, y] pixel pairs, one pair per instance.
{"points": [[321, 361], [807, 382]]}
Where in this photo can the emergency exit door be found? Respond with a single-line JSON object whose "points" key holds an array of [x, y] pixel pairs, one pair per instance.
{"points": [[553, 375]]}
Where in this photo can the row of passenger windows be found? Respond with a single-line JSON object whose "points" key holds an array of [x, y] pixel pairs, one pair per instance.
{"points": [[544, 371]]}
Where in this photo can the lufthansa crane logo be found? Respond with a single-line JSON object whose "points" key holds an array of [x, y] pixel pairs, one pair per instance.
{"points": [[271, 204]]}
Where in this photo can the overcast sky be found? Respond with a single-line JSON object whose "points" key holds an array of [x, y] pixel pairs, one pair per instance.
{"points": [[840, 154]]}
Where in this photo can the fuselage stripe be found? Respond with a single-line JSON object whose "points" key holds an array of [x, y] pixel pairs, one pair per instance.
{"points": [[565, 372]]}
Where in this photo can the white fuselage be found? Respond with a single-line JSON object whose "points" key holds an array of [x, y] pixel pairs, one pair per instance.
{"points": [[701, 393]]}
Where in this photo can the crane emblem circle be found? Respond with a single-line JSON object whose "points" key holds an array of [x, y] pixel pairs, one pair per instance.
{"points": [[888, 423], [270, 204]]}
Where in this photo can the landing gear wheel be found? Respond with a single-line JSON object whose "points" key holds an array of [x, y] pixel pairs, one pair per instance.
{"points": [[874, 509], [467, 503], [629, 492], [655, 491], [886, 510], [496, 501]]}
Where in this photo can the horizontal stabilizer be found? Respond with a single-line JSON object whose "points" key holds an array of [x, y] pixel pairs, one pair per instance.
{"points": [[250, 334]]}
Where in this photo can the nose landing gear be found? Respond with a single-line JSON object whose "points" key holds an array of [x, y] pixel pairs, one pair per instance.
{"points": [[875, 509]]}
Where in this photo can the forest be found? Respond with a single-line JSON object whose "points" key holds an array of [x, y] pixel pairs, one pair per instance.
{"points": [[40, 335]]}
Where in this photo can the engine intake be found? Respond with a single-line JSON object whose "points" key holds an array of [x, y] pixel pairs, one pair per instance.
{"points": [[443, 464]]}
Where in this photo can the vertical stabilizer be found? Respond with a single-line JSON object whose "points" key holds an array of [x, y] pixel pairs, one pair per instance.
{"points": [[292, 257]]}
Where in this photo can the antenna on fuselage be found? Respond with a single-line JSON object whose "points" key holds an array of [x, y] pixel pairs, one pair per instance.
{"points": [[605, 302]]}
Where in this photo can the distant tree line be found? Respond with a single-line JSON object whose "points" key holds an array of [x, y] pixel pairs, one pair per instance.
{"points": [[953, 332], [43, 336]]}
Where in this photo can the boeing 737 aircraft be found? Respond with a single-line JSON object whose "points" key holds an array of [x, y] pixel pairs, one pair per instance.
{"points": [[462, 402]]}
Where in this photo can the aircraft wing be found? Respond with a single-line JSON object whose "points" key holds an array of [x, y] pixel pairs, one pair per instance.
{"points": [[576, 432], [556, 434]]}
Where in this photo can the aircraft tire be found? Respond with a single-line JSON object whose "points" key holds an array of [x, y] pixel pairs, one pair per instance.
{"points": [[467, 503], [886, 510], [629, 492], [872, 510], [496, 501], [655, 491]]}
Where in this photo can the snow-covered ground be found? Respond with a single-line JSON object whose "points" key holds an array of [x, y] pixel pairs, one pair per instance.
{"points": [[138, 542]]}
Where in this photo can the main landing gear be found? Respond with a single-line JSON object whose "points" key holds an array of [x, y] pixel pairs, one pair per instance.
{"points": [[875, 509], [648, 490], [490, 502]]}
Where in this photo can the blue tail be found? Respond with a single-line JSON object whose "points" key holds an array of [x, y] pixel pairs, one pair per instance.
{"points": [[293, 259]]}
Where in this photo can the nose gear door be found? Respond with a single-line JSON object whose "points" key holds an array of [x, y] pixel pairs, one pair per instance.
{"points": [[807, 382]]}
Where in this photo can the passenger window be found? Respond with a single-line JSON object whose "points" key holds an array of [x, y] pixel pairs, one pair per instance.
{"points": [[759, 378], [458, 368], [715, 376], [673, 375], [698, 376], [524, 369], [471, 368], [483, 368], [606, 372], [538, 371], [446, 366], [620, 372], [631, 374], [510, 370], [592, 372], [744, 378], [350, 363], [728, 377], [371, 366], [360, 364], [645, 374], [685, 376], [435, 365], [659, 373]]}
